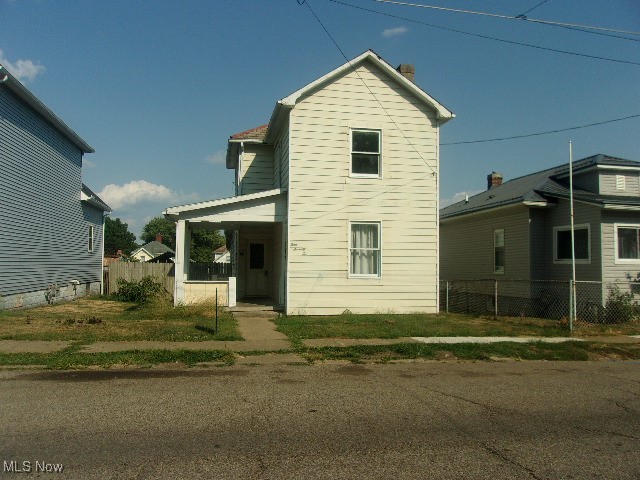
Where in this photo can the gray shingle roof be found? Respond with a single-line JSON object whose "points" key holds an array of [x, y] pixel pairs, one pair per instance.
{"points": [[156, 248], [540, 187]]}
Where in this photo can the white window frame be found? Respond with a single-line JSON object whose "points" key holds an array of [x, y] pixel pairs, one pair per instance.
{"points": [[379, 249], [565, 228], [499, 270], [615, 243], [365, 175], [91, 239]]}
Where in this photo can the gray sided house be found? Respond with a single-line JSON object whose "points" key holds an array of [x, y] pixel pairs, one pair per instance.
{"points": [[520, 229], [51, 225]]}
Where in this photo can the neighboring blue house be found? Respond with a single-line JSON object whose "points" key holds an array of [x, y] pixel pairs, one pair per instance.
{"points": [[51, 224]]}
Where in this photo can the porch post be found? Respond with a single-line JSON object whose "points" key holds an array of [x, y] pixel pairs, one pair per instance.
{"points": [[183, 241]]}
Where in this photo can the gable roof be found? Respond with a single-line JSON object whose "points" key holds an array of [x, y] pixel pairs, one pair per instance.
{"points": [[287, 103], [18, 89], [153, 248], [267, 133], [541, 187]]}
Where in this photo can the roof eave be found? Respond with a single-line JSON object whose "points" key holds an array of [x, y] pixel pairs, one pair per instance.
{"points": [[30, 99]]}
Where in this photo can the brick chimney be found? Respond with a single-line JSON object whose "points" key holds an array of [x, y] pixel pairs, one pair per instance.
{"points": [[407, 70], [159, 237], [494, 179]]}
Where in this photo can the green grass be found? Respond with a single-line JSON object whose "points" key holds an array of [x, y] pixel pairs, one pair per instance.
{"points": [[71, 358], [96, 319], [413, 325], [568, 351]]}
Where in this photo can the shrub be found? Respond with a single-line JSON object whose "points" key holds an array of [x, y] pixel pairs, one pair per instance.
{"points": [[141, 292], [621, 306]]}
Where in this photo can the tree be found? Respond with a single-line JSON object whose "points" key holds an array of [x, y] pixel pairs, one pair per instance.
{"points": [[203, 243], [162, 226], [118, 237]]}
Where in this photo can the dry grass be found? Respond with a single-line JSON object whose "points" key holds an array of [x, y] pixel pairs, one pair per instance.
{"points": [[91, 319]]}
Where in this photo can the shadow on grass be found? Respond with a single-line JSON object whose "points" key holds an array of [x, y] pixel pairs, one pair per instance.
{"points": [[205, 329]]}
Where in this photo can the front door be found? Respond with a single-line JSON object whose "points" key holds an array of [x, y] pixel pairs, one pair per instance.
{"points": [[257, 270]]}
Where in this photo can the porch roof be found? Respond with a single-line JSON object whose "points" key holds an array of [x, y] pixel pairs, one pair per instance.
{"points": [[263, 207]]}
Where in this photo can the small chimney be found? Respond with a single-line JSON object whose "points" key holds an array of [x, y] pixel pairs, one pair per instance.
{"points": [[407, 70], [159, 237], [494, 179]]}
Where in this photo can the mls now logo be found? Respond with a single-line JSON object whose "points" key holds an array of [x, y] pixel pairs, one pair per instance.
{"points": [[27, 467]]}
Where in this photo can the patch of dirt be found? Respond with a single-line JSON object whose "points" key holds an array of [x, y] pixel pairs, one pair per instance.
{"points": [[443, 355], [355, 370]]}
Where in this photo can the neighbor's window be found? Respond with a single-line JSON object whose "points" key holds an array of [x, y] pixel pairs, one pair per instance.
{"points": [[562, 243], [498, 249], [628, 243], [365, 249], [365, 152], [91, 237]]}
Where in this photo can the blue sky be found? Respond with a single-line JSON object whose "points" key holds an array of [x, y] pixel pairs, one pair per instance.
{"points": [[157, 87]]}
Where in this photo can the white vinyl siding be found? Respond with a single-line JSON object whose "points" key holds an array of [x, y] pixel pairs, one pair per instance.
{"points": [[324, 198], [257, 169]]}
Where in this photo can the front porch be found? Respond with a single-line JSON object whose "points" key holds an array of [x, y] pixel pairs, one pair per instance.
{"points": [[257, 251]]}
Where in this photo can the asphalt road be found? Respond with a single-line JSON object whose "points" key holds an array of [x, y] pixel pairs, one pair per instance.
{"points": [[411, 420]]}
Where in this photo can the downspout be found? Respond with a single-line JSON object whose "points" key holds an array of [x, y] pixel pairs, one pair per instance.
{"points": [[438, 123], [104, 217]]}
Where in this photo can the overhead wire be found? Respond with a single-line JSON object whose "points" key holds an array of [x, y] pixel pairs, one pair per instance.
{"points": [[547, 132], [486, 37], [506, 17], [534, 7]]}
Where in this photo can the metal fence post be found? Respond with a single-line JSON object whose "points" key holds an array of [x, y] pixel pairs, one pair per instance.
{"points": [[496, 298], [571, 305], [447, 297]]}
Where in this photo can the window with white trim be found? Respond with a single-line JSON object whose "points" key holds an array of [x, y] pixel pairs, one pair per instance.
{"points": [[498, 250], [627, 243], [366, 152], [91, 238], [365, 249], [562, 244]]}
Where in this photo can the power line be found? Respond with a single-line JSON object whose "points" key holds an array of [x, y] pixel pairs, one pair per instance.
{"points": [[486, 37], [548, 132], [433, 172], [533, 8], [506, 17]]}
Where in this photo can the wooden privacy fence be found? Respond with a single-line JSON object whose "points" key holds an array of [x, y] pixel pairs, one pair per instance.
{"points": [[163, 273]]}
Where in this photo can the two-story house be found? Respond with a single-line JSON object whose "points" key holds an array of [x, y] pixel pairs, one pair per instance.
{"points": [[522, 227], [336, 204], [51, 224]]}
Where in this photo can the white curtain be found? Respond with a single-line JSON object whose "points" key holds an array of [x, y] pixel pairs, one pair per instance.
{"points": [[365, 249]]}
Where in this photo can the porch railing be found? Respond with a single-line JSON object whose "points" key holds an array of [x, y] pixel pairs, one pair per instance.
{"points": [[207, 272]]}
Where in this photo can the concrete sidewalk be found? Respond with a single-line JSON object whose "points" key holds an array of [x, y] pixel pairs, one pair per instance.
{"points": [[260, 334]]}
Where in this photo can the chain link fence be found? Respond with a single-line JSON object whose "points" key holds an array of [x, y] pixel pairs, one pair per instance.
{"points": [[596, 302]]}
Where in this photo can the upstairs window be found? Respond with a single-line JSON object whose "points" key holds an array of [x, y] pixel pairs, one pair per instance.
{"points": [[365, 251], [627, 239], [91, 238], [562, 244], [365, 153], [498, 250]]}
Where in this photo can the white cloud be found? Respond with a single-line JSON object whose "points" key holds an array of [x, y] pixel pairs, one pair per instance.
{"points": [[86, 163], [22, 69], [445, 202], [118, 196], [394, 32], [217, 158]]}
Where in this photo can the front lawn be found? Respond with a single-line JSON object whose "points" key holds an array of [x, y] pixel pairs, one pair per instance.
{"points": [[414, 325], [90, 320]]}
